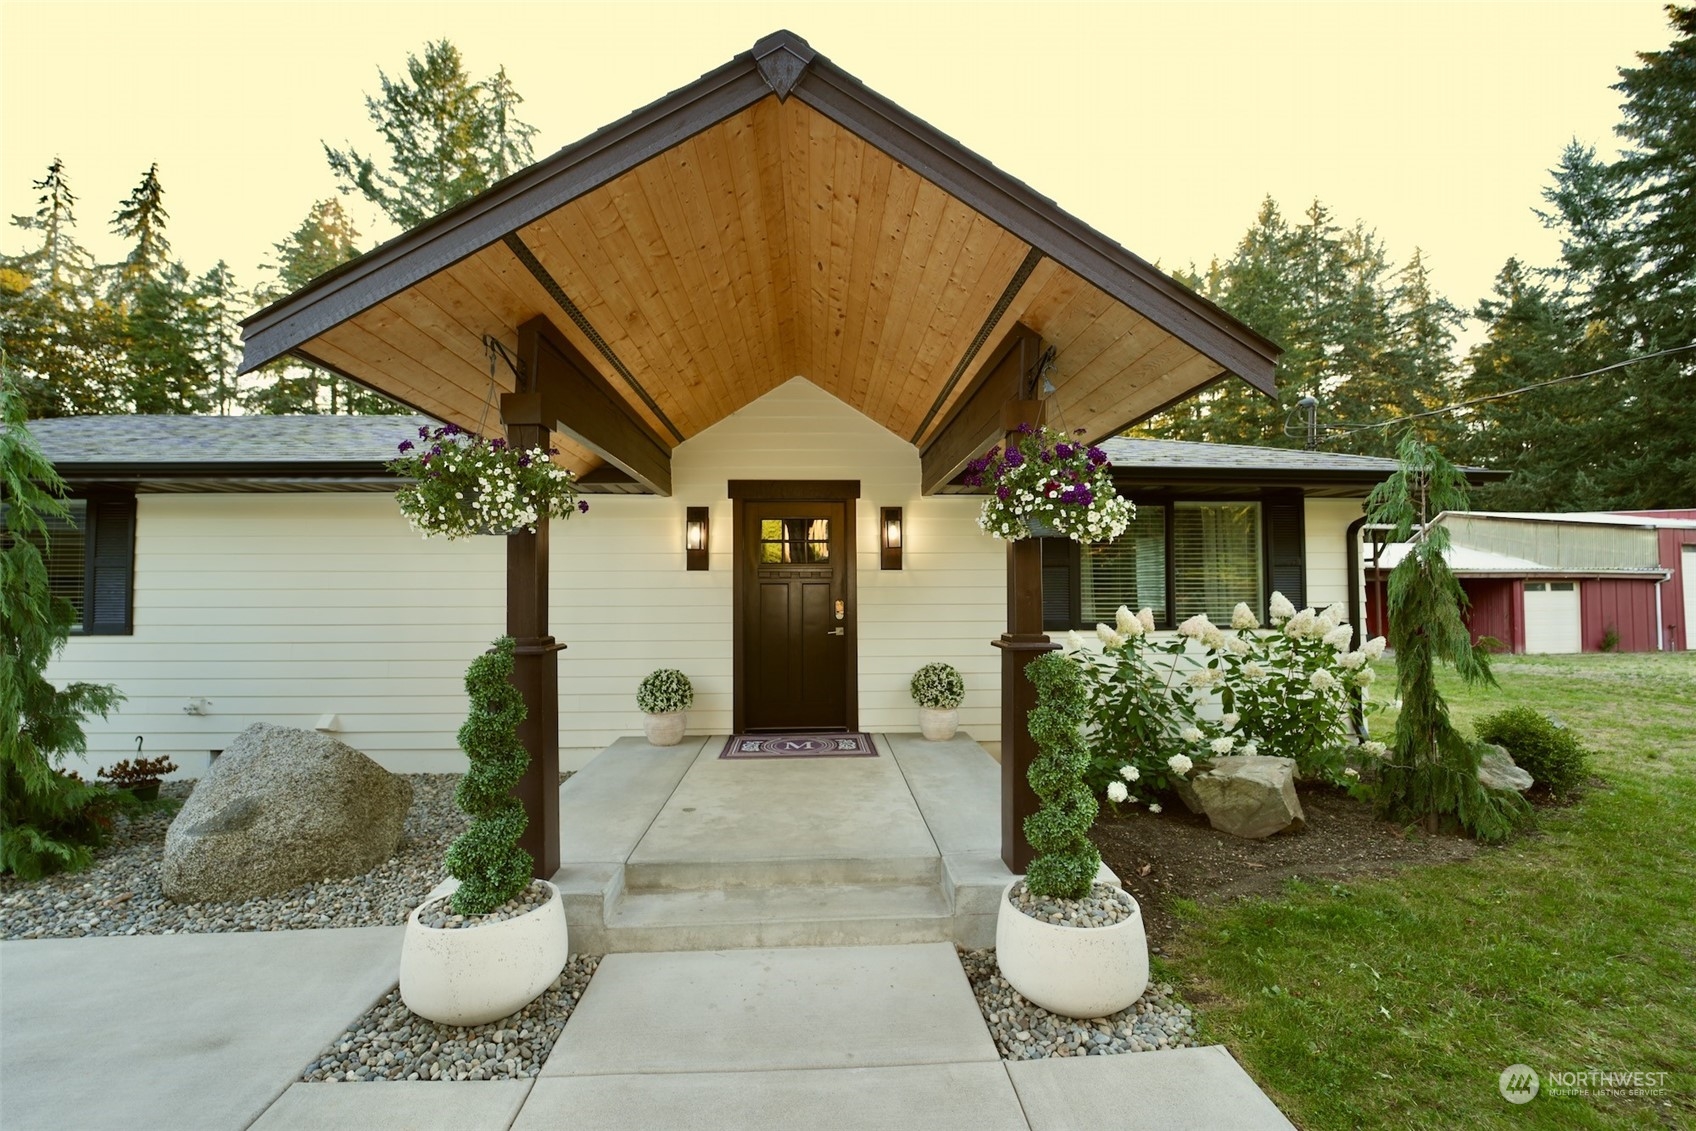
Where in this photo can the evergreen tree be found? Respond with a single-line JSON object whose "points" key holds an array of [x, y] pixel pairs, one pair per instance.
{"points": [[217, 306], [142, 219], [448, 138], [62, 262], [168, 370]]}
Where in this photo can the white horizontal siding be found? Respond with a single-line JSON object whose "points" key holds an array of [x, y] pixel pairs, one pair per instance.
{"points": [[1327, 524], [283, 608]]}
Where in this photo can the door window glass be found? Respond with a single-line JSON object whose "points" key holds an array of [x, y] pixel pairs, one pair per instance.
{"points": [[794, 541]]}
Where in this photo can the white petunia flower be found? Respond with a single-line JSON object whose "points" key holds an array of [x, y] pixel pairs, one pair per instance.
{"points": [[1116, 791], [1180, 764], [1340, 637], [1128, 623], [1280, 608], [1146, 616], [1223, 745], [1154, 806], [1243, 617], [1190, 734], [1374, 647], [1129, 773], [1230, 719]]}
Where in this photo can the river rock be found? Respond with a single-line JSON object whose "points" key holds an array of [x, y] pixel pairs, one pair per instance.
{"points": [[1250, 796], [280, 807], [1497, 770]]}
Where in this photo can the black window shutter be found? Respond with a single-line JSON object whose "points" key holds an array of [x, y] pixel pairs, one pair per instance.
{"points": [[111, 567], [1060, 600], [1286, 539]]}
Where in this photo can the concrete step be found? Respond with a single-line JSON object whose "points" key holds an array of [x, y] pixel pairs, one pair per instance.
{"points": [[814, 914], [727, 873]]}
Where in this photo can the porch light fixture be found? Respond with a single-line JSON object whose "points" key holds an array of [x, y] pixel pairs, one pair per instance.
{"points": [[695, 538], [891, 538]]}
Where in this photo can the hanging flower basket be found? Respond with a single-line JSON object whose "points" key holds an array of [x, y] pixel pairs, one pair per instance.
{"points": [[1047, 484], [462, 484]]}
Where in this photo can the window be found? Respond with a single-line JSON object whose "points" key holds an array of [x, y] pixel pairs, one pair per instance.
{"points": [[89, 556], [1215, 559], [1131, 570], [794, 541]]}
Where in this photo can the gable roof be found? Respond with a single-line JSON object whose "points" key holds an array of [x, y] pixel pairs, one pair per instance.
{"points": [[774, 218]]}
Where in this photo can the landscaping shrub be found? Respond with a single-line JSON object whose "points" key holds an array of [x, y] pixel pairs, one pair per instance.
{"points": [[486, 860], [665, 691], [1066, 861], [1553, 755], [937, 686]]}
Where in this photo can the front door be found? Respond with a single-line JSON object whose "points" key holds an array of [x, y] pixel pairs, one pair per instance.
{"points": [[794, 573]]}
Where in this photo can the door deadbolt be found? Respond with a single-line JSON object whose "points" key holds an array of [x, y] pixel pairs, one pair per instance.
{"points": [[840, 613]]}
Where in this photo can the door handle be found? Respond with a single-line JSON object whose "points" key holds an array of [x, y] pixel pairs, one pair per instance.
{"points": [[836, 632]]}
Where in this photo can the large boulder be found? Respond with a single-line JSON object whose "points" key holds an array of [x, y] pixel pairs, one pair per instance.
{"points": [[1497, 770], [278, 808], [1250, 796]]}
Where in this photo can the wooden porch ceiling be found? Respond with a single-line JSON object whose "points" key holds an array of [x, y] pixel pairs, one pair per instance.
{"points": [[806, 228]]}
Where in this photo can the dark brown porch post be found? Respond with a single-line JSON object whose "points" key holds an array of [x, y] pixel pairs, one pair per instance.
{"points": [[536, 664], [1023, 642]]}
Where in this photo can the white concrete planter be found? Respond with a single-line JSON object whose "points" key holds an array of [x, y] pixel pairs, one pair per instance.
{"points": [[471, 975], [938, 726], [1073, 971], [666, 729]]}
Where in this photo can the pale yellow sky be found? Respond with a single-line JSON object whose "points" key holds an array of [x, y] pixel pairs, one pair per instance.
{"points": [[1161, 124]]}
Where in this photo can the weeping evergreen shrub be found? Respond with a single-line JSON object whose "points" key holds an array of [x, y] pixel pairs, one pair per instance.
{"points": [[1432, 770], [1066, 860], [50, 821], [486, 860]]}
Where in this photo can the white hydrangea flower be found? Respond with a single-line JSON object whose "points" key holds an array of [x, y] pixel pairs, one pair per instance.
{"points": [[1301, 625], [1203, 678], [1190, 734], [1154, 806], [1109, 639], [1128, 623], [1375, 748], [1074, 642], [1180, 764], [1374, 647], [1237, 646], [1280, 609], [1223, 745], [1213, 638], [1146, 616], [1129, 773], [1351, 772], [1254, 670], [1243, 617], [1365, 676], [1116, 791], [1349, 661], [1340, 638], [1323, 680], [1338, 612], [1229, 720], [1250, 749], [1195, 627]]}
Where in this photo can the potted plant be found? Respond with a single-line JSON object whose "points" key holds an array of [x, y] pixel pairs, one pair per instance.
{"points": [[937, 689], [1047, 483], [463, 484], [663, 698], [490, 939], [140, 778], [1093, 959]]}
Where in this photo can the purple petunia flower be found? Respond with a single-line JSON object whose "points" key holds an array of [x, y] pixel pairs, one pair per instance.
{"points": [[1026, 428], [1097, 456], [1002, 493], [1014, 457], [423, 433], [405, 446], [523, 461], [451, 430], [436, 450], [1047, 456], [973, 480], [1063, 450], [582, 506]]}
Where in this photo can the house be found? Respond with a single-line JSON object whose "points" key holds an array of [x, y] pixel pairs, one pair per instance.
{"points": [[1579, 582], [229, 569]]}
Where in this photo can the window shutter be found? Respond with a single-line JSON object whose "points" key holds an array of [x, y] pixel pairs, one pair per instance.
{"points": [[111, 567], [1059, 584], [1286, 539]]}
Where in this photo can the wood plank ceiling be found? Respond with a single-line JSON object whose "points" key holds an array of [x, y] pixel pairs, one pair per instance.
{"points": [[773, 244]]}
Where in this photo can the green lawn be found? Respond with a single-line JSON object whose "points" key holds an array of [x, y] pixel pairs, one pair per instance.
{"points": [[1397, 1001]]}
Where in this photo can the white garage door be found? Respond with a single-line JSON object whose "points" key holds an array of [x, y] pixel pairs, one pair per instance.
{"points": [[1551, 617], [1689, 564]]}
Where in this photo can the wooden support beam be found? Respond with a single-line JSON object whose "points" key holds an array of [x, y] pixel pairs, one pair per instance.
{"points": [[976, 421], [1023, 642], [566, 394]]}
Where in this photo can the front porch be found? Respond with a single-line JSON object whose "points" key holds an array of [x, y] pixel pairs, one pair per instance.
{"points": [[675, 848]]}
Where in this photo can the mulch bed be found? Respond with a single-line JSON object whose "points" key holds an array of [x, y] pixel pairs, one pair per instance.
{"points": [[1176, 854]]}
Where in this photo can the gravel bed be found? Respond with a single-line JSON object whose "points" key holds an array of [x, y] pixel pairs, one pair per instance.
{"points": [[390, 1042], [120, 894], [440, 913], [1102, 907], [1023, 1031]]}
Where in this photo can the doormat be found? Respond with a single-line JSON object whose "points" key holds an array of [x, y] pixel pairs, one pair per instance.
{"points": [[799, 746]]}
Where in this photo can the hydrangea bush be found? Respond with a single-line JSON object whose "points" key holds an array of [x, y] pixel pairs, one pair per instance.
{"points": [[665, 691], [1283, 690], [937, 686], [463, 484], [1049, 480]]}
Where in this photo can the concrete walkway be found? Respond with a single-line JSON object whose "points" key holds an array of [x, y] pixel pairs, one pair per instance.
{"points": [[209, 1031]]}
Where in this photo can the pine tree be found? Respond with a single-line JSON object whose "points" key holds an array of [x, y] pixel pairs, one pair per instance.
{"points": [[217, 307], [64, 264], [164, 323], [142, 218], [448, 138]]}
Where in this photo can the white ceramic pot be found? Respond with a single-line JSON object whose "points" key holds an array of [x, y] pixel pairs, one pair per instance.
{"points": [[938, 726], [472, 975], [1073, 971], [665, 729]]}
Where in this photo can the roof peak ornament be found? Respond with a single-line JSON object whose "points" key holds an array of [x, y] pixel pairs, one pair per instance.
{"points": [[782, 57]]}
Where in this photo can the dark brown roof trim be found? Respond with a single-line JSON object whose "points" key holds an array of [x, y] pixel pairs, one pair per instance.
{"points": [[778, 61]]}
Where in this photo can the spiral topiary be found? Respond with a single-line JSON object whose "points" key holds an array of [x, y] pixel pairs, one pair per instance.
{"points": [[1066, 861], [486, 859]]}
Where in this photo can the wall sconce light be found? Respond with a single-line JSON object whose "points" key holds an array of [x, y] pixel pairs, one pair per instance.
{"points": [[891, 538], [695, 538]]}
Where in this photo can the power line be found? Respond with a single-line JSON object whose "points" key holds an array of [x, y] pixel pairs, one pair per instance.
{"points": [[1351, 429]]}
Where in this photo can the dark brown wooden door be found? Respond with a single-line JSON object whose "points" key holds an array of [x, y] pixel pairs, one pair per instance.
{"points": [[797, 627]]}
